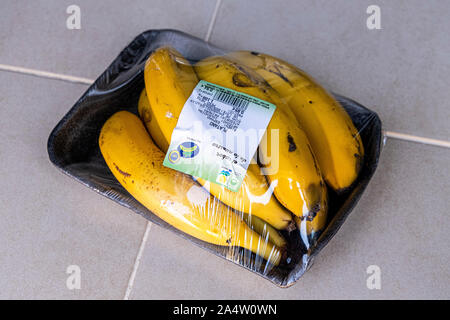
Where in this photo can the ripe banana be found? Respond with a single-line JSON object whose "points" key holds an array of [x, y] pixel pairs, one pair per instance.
{"points": [[169, 81], [333, 136], [145, 112], [297, 183], [310, 226], [136, 162], [268, 232]]}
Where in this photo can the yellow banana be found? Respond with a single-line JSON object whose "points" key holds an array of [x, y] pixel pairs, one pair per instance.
{"points": [[268, 232], [169, 81], [136, 162], [295, 177], [309, 226], [145, 112], [255, 197], [333, 136]]}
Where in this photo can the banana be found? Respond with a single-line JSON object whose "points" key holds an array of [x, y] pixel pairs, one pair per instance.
{"points": [[254, 197], [146, 114], [136, 162], [333, 136], [295, 177], [268, 232], [169, 81], [309, 227]]}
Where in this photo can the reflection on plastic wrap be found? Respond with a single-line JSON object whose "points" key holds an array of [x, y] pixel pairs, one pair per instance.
{"points": [[315, 159]]}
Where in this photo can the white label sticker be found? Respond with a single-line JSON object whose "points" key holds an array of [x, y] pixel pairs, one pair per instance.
{"points": [[217, 134]]}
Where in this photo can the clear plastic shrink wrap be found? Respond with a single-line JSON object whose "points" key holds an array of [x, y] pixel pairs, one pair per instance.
{"points": [[240, 152]]}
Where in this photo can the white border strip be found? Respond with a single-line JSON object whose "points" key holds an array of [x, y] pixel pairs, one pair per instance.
{"points": [[212, 22], [408, 137], [137, 261], [45, 74]]}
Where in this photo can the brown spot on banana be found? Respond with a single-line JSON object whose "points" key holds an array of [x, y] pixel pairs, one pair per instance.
{"points": [[292, 145], [241, 80], [125, 174], [314, 192], [291, 226]]}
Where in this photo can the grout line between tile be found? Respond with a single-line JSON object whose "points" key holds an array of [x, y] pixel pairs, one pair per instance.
{"points": [[72, 79], [137, 261], [45, 74], [212, 22], [417, 139]]}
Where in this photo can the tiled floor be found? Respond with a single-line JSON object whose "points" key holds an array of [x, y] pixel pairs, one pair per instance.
{"points": [[49, 221]]}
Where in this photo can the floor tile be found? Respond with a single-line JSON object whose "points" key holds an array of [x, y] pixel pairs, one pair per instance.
{"points": [[401, 225], [48, 220], [34, 34], [401, 71]]}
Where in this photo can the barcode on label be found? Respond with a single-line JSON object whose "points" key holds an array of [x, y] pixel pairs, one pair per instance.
{"points": [[230, 99]]}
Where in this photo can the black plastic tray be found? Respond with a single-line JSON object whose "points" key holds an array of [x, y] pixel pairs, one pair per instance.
{"points": [[73, 147]]}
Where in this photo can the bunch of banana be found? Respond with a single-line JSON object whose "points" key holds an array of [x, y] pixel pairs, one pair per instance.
{"points": [[308, 124], [169, 81], [333, 136], [137, 164], [286, 155]]}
